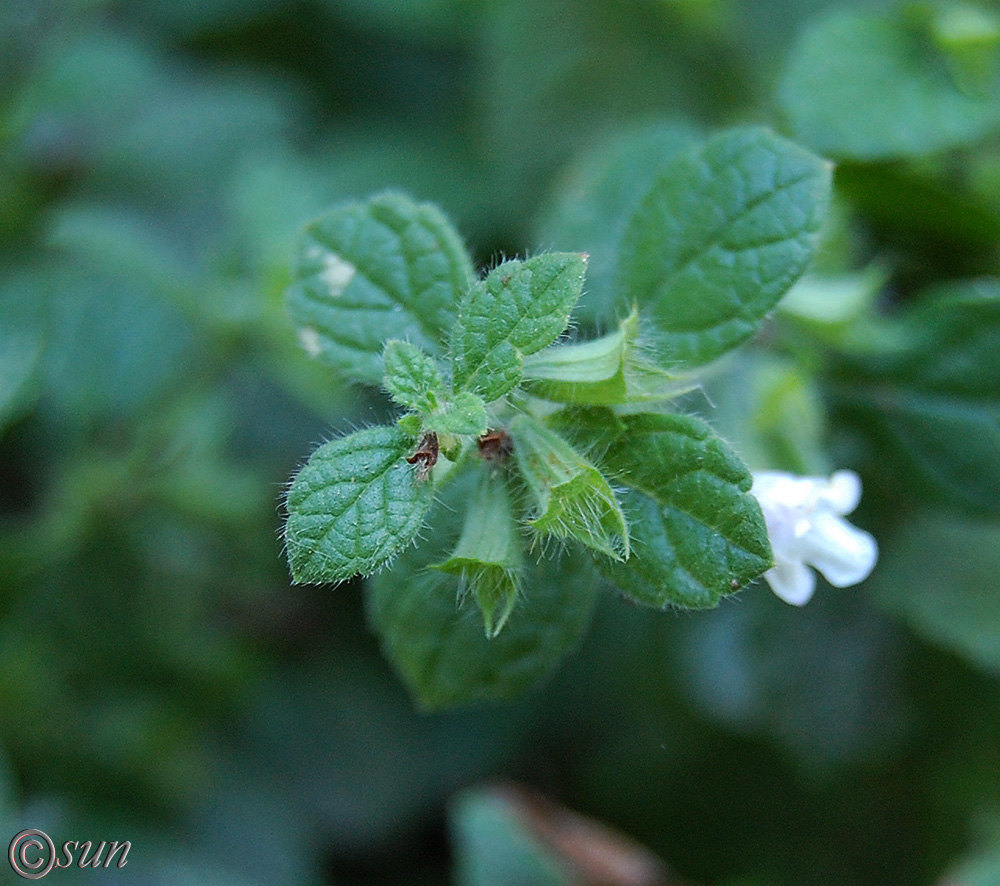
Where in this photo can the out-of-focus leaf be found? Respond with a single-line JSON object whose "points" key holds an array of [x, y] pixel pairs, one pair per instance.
{"points": [[103, 237], [193, 18], [494, 845], [367, 272], [419, 20], [113, 345], [385, 768], [21, 342], [829, 688], [697, 533], [439, 649], [930, 396], [922, 203], [88, 84], [507, 835], [520, 308], [720, 237], [772, 412], [594, 198], [870, 86], [190, 137], [553, 75], [942, 574], [354, 505], [977, 869]]}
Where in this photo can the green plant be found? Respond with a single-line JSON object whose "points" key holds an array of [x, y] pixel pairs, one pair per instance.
{"points": [[517, 444]]}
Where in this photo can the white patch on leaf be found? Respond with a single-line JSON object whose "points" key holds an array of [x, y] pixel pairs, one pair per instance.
{"points": [[309, 339], [337, 273]]}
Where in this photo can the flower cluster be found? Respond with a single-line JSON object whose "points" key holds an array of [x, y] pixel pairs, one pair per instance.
{"points": [[806, 525]]}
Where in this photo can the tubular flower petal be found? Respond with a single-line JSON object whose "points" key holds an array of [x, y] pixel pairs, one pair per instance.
{"points": [[806, 525]]}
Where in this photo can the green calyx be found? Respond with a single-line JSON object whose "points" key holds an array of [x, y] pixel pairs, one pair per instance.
{"points": [[488, 556], [571, 498]]}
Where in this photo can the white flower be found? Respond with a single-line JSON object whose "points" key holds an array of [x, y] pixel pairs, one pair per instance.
{"points": [[805, 521]]}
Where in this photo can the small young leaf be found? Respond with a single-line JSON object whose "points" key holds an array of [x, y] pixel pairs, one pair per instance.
{"points": [[465, 413], [572, 500], [442, 655], [489, 554], [387, 268], [355, 504], [697, 532], [868, 86], [411, 377], [721, 237], [520, 308]]}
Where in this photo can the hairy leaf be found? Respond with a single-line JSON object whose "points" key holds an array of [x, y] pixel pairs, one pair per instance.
{"points": [[613, 369], [721, 237], [411, 377], [697, 532], [355, 504], [388, 268], [520, 308], [465, 413]]}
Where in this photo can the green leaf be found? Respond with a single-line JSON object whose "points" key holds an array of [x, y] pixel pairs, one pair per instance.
{"points": [[465, 413], [929, 396], [355, 504], [488, 556], [697, 532], [868, 86], [721, 237], [411, 377], [22, 341], [520, 308], [572, 499], [442, 654], [614, 369], [113, 345], [495, 846], [596, 196], [590, 429], [388, 268], [940, 573]]}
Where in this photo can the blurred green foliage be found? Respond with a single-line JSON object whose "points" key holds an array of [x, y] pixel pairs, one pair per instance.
{"points": [[161, 682]]}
